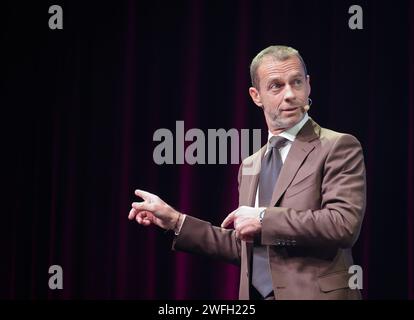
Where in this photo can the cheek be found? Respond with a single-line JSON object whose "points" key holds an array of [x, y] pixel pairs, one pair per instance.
{"points": [[272, 103], [305, 93]]}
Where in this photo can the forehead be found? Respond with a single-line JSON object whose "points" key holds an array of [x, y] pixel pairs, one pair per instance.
{"points": [[272, 68]]}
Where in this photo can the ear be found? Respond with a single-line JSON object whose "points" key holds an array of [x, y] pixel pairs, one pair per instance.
{"points": [[308, 84], [254, 93]]}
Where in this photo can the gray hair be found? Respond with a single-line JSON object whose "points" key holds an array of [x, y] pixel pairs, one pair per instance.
{"points": [[279, 53]]}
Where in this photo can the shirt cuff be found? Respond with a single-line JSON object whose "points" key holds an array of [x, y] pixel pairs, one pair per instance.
{"points": [[180, 223]]}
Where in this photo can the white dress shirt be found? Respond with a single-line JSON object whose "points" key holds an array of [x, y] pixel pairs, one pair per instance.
{"points": [[290, 135]]}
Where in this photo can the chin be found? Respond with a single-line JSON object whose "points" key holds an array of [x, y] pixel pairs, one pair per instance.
{"points": [[290, 121]]}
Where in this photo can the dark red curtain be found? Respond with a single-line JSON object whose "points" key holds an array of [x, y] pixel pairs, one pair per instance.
{"points": [[80, 107]]}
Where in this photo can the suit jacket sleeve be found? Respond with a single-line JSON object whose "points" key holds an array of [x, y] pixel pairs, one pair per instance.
{"points": [[338, 221], [201, 237]]}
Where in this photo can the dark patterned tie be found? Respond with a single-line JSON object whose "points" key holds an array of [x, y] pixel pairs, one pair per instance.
{"points": [[269, 172]]}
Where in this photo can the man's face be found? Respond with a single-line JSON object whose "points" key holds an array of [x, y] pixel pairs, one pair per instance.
{"points": [[283, 92]]}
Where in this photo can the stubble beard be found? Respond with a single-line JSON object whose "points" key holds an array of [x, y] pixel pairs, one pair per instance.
{"points": [[277, 121]]}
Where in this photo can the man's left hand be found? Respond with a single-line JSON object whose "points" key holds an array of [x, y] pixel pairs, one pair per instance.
{"points": [[246, 222]]}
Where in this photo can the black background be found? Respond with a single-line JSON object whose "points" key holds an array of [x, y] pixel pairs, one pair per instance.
{"points": [[80, 105]]}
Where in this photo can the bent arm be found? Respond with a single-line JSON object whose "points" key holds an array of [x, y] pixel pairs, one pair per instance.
{"points": [[200, 237], [338, 222]]}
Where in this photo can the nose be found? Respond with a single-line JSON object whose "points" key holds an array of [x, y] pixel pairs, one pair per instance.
{"points": [[289, 94]]}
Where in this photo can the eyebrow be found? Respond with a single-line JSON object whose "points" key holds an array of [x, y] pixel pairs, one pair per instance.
{"points": [[295, 75], [298, 74]]}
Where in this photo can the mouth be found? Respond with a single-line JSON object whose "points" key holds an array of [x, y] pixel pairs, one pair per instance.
{"points": [[289, 109]]}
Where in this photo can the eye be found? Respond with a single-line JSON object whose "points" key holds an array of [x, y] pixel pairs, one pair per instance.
{"points": [[275, 86], [297, 82]]}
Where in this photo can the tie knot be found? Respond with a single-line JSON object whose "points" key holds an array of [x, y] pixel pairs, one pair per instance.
{"points": [[277, 142]]}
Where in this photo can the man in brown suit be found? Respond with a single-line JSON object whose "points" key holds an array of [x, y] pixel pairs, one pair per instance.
{"points": [[301, 197]]}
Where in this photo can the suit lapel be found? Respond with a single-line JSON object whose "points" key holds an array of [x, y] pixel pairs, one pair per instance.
{"points": [[298, 152]]}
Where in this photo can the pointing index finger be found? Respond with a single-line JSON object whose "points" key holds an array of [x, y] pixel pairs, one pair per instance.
{"points": [[144, 194]]}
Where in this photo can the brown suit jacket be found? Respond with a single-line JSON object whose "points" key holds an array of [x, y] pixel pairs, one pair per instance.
{"points": [[317, 212]]}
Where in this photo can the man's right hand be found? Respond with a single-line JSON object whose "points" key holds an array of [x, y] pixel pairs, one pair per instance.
{"points": [[153, 210]]}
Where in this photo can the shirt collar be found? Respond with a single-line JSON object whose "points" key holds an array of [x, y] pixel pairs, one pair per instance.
{"points": [[291, 133]]}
